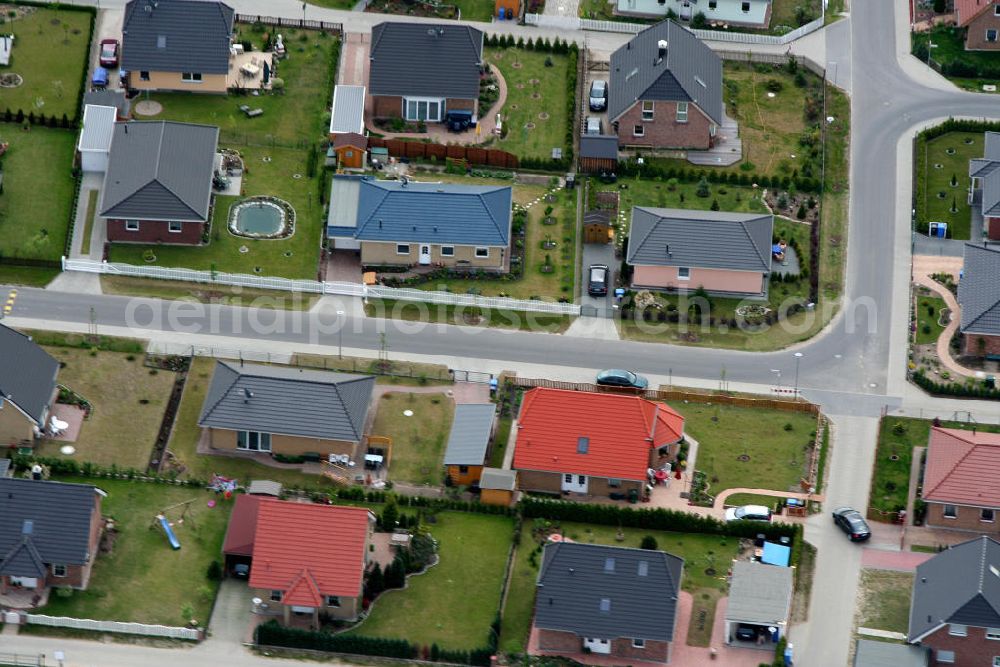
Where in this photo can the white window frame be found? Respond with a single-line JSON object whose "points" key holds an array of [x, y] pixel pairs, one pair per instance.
{"points": [[983, 515], [59, 571], [947, 657], [958, 630], [614, 483], [682, 112], [402, 245], [131, 225], [639, 131], [276, 596], [568, 478], [993, 634], [447, 251], [996, 661], [332, 600], [996, 10], [683, 273], [482, 252], [191, 77], [248, 446], [638, 643], [953, 514], [175, 227], [427, 102], [992, 30], [648, 113]]}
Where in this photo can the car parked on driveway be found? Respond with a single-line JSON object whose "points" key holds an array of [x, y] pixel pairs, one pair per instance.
{"points": [[853, 523], [594, 125], [109, 53], [748, 513], [616, 377], [597, 285], [598, 95]]}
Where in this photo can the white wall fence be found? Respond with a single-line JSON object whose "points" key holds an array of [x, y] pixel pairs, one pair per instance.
{"points": [[114, 626], [316, 287]]}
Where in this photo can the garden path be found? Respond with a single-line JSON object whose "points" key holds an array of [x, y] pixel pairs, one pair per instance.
{"points": [[923, 268]]}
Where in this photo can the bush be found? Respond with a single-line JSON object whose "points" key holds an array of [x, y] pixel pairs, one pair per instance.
{"points": [[774, 86], [698, 21], [214, 571], [649, 542]]}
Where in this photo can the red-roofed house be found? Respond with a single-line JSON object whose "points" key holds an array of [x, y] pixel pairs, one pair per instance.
{"points": [[961, 487], [307, 558], [981, 18], [592, 443]]}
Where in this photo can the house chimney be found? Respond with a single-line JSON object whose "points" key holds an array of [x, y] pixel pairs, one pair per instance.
{"points": [[661, 49], [247, 395]]}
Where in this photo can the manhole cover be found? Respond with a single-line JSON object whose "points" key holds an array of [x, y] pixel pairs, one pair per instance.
{"points": [[407, 413], [67, 450], [743, 457], [296, 176]]}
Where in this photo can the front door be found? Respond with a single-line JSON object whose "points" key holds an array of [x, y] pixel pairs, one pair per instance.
{"points": [[574, 483], [425, 254], [597, 645]]}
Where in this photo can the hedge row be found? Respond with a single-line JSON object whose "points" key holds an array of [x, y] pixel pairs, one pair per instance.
{"points": [[652, 171], [59, 466], [37, 119], [629, 311], [359, 494], [954, 388], [960, 125], [543, 45]]}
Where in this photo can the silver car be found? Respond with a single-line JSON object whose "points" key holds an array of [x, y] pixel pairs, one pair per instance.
{"points": [[598, 95], [594, 125]]}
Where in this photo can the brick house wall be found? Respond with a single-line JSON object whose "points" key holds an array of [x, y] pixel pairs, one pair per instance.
{"points": [[975, 37], [558, 641], [971, 346], [391, 106], [15, 426], [974, 649], [663, 131], [379, 253], [155, 231], [966, 518], [461, 104], [551, 482], [290, 445], [348, 610]]}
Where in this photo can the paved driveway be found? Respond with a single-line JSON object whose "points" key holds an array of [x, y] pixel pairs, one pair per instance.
{"points": [[231, 616], [597, 253]]}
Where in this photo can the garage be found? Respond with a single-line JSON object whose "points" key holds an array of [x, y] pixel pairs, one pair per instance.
{"points": [[95, 137], [760, 600]]}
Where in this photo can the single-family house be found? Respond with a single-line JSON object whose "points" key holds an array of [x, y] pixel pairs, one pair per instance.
{"points": [[665, 90], [734, 13], [955, 603], [979, 301], [288, 411], [497, 486], [598, 153], [49, 534], [597, 444], [177, 45], [27, 387], [351, 150], [984, 188], [604, 601], [158, 184], [981, 20], [469, 442], [959, 488], [94, 144], [421, 71], [760, 600], [305, 559], [347, 110], [873, 653], [680, 249], [109, 98], [406, 223]]}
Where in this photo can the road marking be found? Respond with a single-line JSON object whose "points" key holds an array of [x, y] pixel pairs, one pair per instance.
{"points": [[11, 298]]}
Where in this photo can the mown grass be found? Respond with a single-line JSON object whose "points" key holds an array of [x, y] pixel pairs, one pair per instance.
{"points": [[942, 182], [418, 440]]}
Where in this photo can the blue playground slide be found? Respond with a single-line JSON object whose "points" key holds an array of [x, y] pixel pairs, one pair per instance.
{"points": [[170, 533]]}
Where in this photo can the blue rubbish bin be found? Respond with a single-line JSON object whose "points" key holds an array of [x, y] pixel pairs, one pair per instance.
{"points": [[788, 655]]}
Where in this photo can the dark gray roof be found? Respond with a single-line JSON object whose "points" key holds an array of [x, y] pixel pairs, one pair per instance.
{"points": [[705, 239], [987, 169], [423, 59], [759, 593], [498, 478], [288, 401], [599, 146], [979, 290], [690, 71], [597, 216], [58, 524], [27, 374], [160, 170], [871, 653], [959, 585], [470, 434], [577, 580], [4, 467], [177, 36], [108, 98]]}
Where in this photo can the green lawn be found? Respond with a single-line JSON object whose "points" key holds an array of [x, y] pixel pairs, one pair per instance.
{"points": [[539, 122], [937, 170], [833, 206], [418, 441], [740, 499], [88, 227], [500, 441], [226, 295], [29, 276], [657, 192], [39, 161], [299, 114], [970, 69], [50, 53], [777, 456], [929, 325], [128, 403], [413, 311], [143, 580], [475, 10], [294, 257], [884, 598], [454, 602]]}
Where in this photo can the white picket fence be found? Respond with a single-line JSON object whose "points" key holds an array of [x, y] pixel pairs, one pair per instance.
{"points": [[114, 626], [316, 287]]}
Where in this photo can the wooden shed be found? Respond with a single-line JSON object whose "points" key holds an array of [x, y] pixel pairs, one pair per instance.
{"points": [[597, 226], [496, 486], [351, 149], [598, 153]]}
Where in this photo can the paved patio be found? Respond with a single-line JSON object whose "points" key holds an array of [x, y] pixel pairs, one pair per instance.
{"points": [[72, 415], [24, 598], [901, 561], [246, 70]]}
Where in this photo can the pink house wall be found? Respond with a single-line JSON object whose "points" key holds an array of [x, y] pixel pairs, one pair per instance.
{"points": [[713, 280]]}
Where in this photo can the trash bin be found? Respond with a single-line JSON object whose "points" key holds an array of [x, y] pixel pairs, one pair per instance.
{"points": [[991, 381], [633, 496], [570, 181]]}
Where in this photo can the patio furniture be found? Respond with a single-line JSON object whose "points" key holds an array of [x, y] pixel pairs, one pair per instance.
{"points": [[251, 113]]}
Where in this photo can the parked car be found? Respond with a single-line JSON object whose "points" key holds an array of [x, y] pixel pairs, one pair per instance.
{"points": [[746, 633], [598, 95], [241, 571], [594, 125], [616, 377], [598, 283], [458, 121], [109, 53], [853, 523], [748, 513]]}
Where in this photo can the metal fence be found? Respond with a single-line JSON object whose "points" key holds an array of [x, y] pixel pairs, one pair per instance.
{"points": [[289, 23], [114, 626], [18, 660]]}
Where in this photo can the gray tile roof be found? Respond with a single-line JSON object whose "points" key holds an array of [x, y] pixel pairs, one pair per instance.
{"points": [[177, 36], [98, 127], [499, 479], [478, 215], [470, 434], [759, 593], [979, 290], [27, 374], [959, 585], [575, 579], [690, 72], [425, 60], [5, 467], [987, 169], [288, 401], [160, 170], [348, 109], [60, 518], [704, 239], [871, 653], [599, 146]]}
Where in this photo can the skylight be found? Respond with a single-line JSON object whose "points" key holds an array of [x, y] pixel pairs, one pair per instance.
{"points": [[605, 605]]}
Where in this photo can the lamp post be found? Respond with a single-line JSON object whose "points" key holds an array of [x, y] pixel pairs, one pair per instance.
{"points": [[798, 358], [340, 334]]}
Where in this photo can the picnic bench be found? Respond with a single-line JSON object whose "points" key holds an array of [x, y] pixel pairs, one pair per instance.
{"points": [[251, 113]]}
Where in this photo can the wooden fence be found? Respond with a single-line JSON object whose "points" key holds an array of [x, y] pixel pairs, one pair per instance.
{"points": [[419, 150], [290, 23]]}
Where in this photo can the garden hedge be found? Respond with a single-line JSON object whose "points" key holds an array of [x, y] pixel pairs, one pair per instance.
{"points": [[936, 388]]}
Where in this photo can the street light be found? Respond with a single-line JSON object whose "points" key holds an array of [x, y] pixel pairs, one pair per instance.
{"points": [[340, 334], [798, 358]]}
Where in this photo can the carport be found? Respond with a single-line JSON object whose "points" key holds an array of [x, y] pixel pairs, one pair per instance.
{"points": [[760, 599]]}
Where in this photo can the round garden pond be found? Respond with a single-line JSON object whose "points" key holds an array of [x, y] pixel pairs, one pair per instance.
{"points": [[262, 218]]}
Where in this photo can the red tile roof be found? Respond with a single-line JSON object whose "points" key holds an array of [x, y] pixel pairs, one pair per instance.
{"points": [[309, 550], [621, 430], [242, 524], [966, 10], [961, 468]]}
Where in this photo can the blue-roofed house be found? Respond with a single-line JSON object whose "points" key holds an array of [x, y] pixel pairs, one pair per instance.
{"points": [[407, 223]]}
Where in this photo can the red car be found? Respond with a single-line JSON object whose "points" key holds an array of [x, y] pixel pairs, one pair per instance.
{"points": [[109, 53]]}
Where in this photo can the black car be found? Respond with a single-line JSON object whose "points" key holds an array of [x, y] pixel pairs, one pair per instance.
{"points": [[853, 523], [597, 285], [746, 633], [458, 121]]}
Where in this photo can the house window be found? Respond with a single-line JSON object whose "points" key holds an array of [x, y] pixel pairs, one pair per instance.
{"points": [[174, 227], [712, 4], [991, 35], [950, 512], [348, 153], [994, 634], [482, 252], [683, 273], [614, 483], [986, 515], [191, 77], [447, 251], [638, 643], [568, 479], [131, 225], [253, 441], [958, 630], [144, 76], [996, 10], [745, 7], [682, 112], [402, 249], [58, 570], [275, 596], [463, 469], [332, 601], [161, 41], [712, 129], [422, 109], [996, 661], [946, 656], [639, 131], [647, 109]]}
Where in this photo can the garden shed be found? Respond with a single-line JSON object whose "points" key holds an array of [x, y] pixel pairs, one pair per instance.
{"points": [[760, 600], [597, 226], [95, 137], [497, 486], [347, 111]]}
